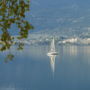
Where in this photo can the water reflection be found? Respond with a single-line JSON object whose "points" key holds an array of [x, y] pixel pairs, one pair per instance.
{"points": [[8, 89], [72, 50], [52, 62], [30, 69]]}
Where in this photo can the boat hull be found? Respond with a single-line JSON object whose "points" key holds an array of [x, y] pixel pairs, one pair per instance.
{"points": [[52, 53]]}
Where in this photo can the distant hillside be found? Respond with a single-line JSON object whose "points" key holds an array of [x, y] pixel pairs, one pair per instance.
{"points": [[61, 16]]}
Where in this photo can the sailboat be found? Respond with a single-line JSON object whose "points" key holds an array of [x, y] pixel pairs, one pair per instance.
{"points": [[52, 50]]}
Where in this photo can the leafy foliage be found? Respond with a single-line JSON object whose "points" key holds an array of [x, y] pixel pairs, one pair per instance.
{"points": [[13, 12]]}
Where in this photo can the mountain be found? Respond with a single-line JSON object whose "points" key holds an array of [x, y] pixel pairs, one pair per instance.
{"points": [[68, 17]]}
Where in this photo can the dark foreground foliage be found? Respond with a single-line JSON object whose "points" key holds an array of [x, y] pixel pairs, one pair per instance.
{"points": [[13, 12]]}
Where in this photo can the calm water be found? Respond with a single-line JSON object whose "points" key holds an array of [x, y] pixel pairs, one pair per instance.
{"points": [[32, 69]]}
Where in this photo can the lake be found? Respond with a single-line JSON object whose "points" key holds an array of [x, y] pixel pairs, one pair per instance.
{"points": [[32, 69]]}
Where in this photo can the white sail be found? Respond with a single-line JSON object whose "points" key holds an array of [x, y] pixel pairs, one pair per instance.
{"points": [[52, 46]]}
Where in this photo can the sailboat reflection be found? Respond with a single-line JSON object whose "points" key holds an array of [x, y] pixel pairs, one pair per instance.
{"points": [[52, 54], [52, 62]]}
